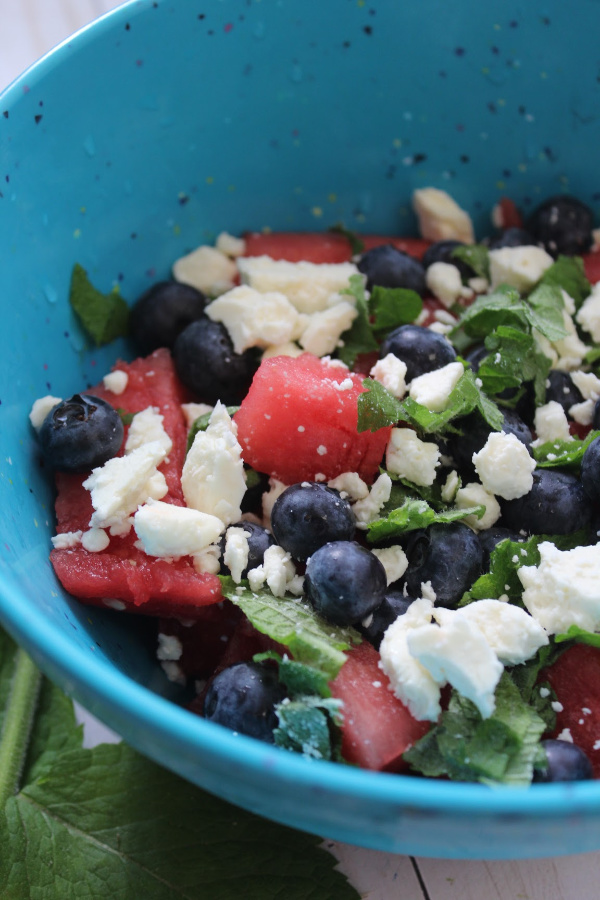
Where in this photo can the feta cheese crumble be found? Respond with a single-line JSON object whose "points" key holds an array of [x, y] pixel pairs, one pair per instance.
{"points": [[504, 466], [440, 217], [170, 531], [308, 286], [411, 458], [433, 389], [519, 267]]}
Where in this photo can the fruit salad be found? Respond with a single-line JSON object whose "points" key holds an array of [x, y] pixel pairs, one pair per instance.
{"points": [[356, 481]]}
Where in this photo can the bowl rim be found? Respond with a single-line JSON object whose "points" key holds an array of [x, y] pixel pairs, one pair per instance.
{"points": [[83, 673]]}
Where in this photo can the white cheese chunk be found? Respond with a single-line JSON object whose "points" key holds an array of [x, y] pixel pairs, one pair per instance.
{"points": [[587, 383], [551, 423], [116, 381], [277, 570], [583, 412], [95, 540], [394, 560], [519, 267], [287, 349], [564, 589], [411, 458], [571, 349], [66, 540], [433, 389], [444, 281], [391, 373], [147, 426], [350, 485], [169, 647], [450, 486], [323, 329], [440, 217], [41, 408], [123, 483], [504, 466], [170, 531], [588, 315], [236, 552], [193, 411], [513, 634], [474, 494], [213, 478], [308, 286], [276, 489], [255, 319], [410, 681], [457, 652], [208, 560], [206, 269], [367, 509], [230, 245]]}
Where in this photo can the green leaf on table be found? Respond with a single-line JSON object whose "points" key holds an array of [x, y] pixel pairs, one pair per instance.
{"points": [[392, 307], [291, 621], [103, 316], [475, 255], [106, 822], [415, 514], [359, 338], [568, 273], [563, 453], [501, 749]]}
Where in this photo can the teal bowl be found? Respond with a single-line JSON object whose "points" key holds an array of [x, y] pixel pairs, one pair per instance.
{"points": [[166, 122]]}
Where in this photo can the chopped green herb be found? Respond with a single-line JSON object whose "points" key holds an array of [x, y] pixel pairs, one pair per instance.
{"points": [[563, 453], [568, 272], [126, 418], [514, 358], [415, 514], [103, 316], [580, 636], [475, 255], [201, 424], [392, 307], [359, 338]]}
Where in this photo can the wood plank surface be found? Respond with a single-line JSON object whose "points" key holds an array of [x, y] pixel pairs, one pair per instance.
{"points": [[29, 29]]}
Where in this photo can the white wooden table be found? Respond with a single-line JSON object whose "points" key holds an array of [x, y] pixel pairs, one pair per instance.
{"points": [[29, 29]]}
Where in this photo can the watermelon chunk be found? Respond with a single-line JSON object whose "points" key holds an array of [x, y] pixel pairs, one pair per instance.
{"points": [[296, 422], [575, 679], [123, 576], [377, 727], [296, 246]]}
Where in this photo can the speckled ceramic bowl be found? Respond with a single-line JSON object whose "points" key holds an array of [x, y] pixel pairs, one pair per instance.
{"points": [[164, 123]]}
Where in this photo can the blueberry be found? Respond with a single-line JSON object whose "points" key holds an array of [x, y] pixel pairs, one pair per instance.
{"points": [[489, 539], [448, 556], [243, 697], [162, 312], [421, 349], [394, 604], [388, 267], [345, 582], [556, 504], [590, 470], [512, 237], [442, 251], [474, 434], [307, 515], [562, 224], [566, 762], [259, 540], [560, 388], [208, 365], [80, 434]]}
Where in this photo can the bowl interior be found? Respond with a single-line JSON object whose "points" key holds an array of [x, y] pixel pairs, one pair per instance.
{"points": [[158, 127]]}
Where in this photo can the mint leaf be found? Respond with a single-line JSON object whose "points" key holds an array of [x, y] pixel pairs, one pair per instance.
{"points": [[356, 244], [377, 408], [359, 338], [201, 424], [392, 307], [489, 311], [465, 747], [305, 726], [514, 359], [466, 397], [568, 272], [103, 316], [108, 823], [563, 453], [126, 418], [414, 514], [475, 255], [580, 636], [294, 623], [299, 679], [546, 311]]}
